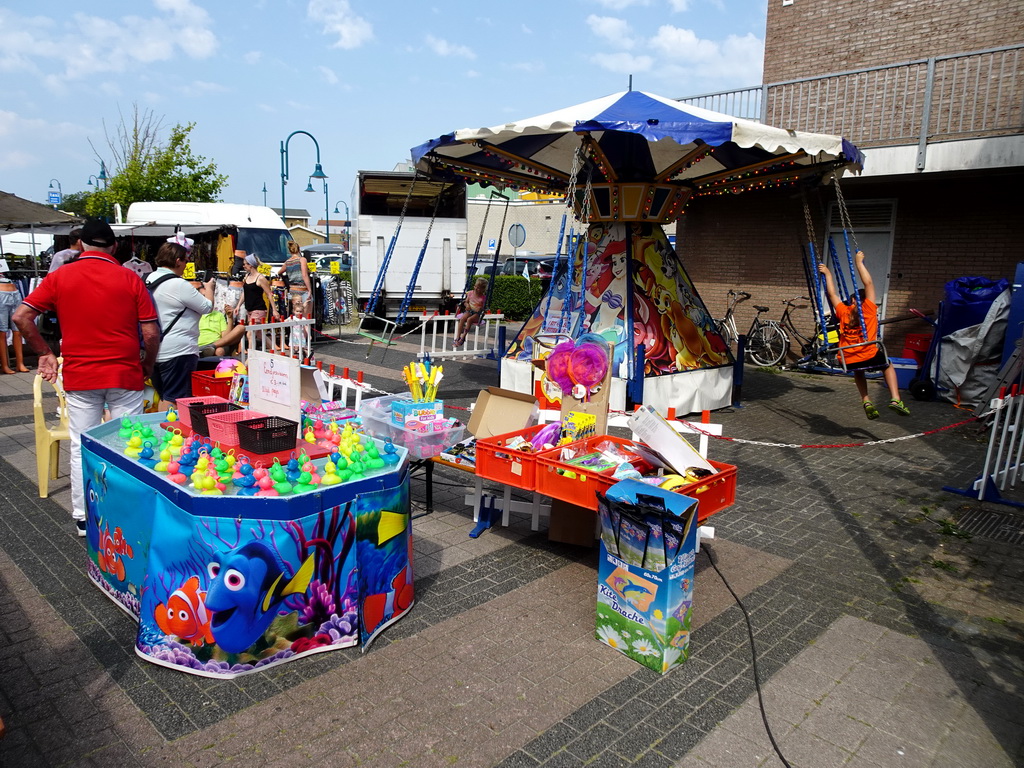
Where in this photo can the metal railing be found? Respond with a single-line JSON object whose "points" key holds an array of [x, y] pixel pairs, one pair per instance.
{"points": [[965, 95], [437, 335]]}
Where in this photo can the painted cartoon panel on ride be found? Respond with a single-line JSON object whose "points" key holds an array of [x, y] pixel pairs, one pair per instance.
{"points": [[626, 283], [223, 586]]}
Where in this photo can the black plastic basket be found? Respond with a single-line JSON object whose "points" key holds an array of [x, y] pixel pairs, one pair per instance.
{"points": [[269, 434], [199, 411]]}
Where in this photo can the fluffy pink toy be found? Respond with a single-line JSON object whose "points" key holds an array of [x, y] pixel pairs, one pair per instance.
{"points": [[557, 365]]}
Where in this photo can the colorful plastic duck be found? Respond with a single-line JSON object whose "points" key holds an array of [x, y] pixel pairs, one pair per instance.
{"points": [[330, 474], [174, 473], [172, 415], [146, 455], [390, 455], [134, 447], [125, 432]]}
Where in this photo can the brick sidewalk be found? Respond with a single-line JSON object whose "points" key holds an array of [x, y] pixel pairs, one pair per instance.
{"points": [[884, 639]]}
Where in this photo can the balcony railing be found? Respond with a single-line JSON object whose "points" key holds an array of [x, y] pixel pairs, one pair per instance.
{"points": [[966, 95]]}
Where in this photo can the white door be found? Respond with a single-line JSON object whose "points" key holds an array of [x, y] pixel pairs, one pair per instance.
{"points": [[870, 228]]}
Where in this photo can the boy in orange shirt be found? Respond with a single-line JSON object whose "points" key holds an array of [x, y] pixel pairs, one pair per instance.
{"points": [[870, 355]]}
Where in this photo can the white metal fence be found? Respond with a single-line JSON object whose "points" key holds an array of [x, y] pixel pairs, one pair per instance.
{"points": [[437, 337], [292, 337]]}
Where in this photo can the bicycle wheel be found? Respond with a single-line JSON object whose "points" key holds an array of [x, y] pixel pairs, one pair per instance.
{"points": [[767, 346], [725, 332]]}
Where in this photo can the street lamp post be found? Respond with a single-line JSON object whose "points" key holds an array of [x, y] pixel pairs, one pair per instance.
{"points": [[60, 194], [327, 212], [91, 177], [342, 202], [265, 198], [318, 172]]}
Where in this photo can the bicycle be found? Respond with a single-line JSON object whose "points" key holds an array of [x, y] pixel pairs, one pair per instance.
{"points": [[767, 342]]}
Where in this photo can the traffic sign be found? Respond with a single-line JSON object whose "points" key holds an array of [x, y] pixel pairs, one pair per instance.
{"points": [[492, 245], [517, 235], [54, 198]]}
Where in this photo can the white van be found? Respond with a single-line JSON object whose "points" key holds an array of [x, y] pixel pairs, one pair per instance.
{"points": [[260, 229]]}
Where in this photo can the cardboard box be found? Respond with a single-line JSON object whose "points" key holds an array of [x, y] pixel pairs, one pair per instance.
{"points": [[644, 613], [499, 411], [650, 427], [406, 410]]}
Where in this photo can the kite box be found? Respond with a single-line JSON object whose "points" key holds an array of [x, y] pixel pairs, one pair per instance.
{"points": [[645, 573]]}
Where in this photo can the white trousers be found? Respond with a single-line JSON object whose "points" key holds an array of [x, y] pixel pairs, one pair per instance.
{"points": [[85, 411]]}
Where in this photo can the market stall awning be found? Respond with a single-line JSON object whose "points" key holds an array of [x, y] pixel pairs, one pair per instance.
{"points": [[166, 230], [18, 214]]}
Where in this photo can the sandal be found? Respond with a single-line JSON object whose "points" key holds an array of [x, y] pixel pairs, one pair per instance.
{"points": [[870, 410], [899, 407]]}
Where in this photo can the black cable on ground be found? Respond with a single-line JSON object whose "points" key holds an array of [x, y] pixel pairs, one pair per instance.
{"points": [[753, 652]]}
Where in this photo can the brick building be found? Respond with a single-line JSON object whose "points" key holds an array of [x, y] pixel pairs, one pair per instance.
{"points": [[933, 94]]}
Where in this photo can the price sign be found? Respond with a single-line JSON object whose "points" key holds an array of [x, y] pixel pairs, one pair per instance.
{"points": [[190, 271], [274, 381], [264, 269], [335, 268]]}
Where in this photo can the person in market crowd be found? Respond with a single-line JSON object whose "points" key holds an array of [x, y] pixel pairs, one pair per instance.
{"points": [[255, 287], [853, 331], [218, 336], [300, 290], [60, 258], [104, 310], [179, 306]]}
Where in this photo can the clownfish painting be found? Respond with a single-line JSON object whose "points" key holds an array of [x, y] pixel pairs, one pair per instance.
{"points": [[185, 615], [386, 605], [111, 550]]}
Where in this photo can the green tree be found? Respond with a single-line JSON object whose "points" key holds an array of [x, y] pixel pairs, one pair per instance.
{"points": [[76, 202], [148, 167]]}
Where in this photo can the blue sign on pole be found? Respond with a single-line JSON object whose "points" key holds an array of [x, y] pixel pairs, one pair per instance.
{"points": [[55, 198], [492, 245]]}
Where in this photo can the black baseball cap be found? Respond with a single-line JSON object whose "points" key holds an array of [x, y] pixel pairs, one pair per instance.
{"points": [[98, 232]]}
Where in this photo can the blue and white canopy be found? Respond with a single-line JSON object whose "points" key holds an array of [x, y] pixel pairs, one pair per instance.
{"points": [[639, 137]]}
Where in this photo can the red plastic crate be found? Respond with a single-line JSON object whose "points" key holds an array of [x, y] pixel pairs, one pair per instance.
{"points": [[714, 493], [582, 485], [917, 341], [183, 403], [205, 383], [516, 468], [223, 427]]}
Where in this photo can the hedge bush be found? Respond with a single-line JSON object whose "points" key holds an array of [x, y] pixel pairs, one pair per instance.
{"points": [[509, 296]]}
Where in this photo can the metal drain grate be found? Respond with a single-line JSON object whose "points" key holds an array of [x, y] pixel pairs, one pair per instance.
{"points": [[997, 526]]}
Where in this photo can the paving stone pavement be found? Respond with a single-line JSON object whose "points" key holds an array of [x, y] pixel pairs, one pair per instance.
{"points": [[884, 636]]}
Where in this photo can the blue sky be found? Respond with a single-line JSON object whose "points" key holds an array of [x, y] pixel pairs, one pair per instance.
{"points": [[369, 80]]}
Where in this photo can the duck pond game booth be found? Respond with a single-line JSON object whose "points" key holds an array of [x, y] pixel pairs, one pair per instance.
{"points": [[227, 584]]}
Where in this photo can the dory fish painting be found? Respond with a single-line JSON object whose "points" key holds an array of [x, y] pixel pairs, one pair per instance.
{"points": [[247, 586]]}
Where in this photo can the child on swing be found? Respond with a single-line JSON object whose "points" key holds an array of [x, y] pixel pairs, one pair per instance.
{"points": [[472, 311], [871, 355]]}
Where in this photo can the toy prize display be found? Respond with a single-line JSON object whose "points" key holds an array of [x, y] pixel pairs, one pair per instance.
{"points": [[416, 422], [233, 564], [645, 573]]}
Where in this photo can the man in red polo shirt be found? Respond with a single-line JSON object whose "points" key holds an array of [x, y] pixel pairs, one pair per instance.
{"points": [[102, 308]]}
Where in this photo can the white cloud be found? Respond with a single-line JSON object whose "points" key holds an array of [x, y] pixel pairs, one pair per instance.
{"points": [[86, 45], [622, 62], [612, 30], [252, 57], [679, 6], [338, 18], [736, 59], [532, 67], [328, 74], [525, 29], [444, 48], [472, 73], [22, 132]]}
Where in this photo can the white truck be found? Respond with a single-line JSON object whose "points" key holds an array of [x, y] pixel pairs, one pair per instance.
{"points": [[259, 229], [377, 202]]}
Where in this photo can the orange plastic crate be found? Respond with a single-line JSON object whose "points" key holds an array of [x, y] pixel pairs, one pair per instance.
{"points": [[516, 468], [582, 485], [223, 427], [205, 383], [714, 493], [182, 404]]}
